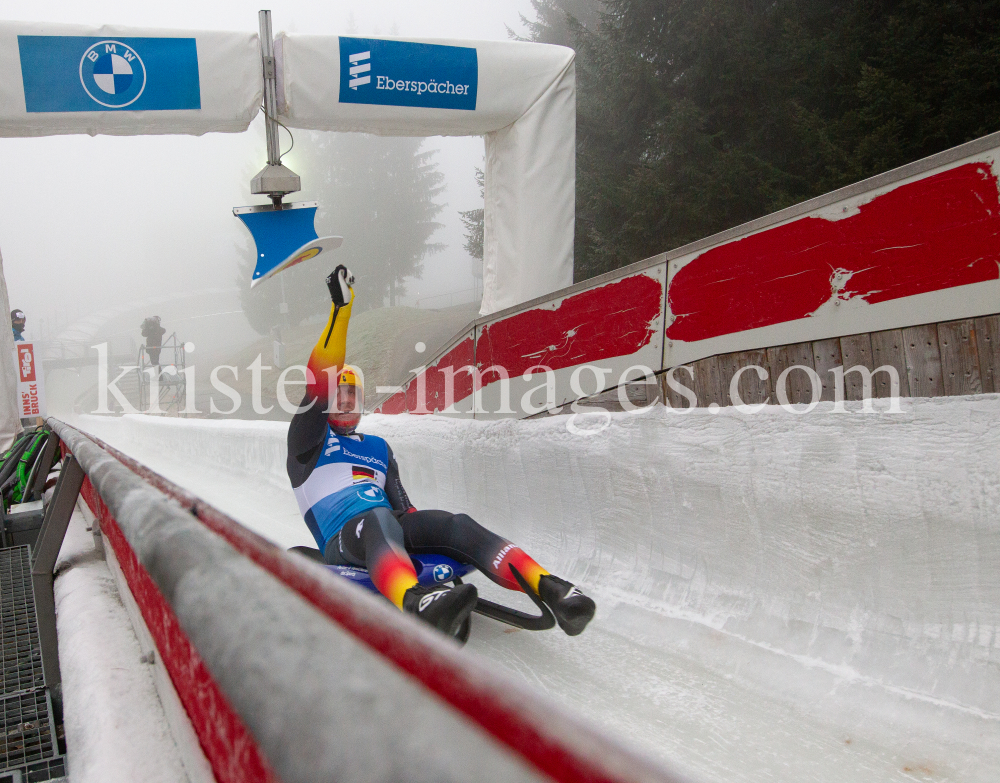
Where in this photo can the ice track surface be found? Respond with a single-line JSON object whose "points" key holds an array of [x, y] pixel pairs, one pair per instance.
{"points": [[780, 597]]}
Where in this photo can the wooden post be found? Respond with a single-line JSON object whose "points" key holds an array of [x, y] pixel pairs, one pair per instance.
{"points": [[887, 349], [797, 383], [988, 343], [671, 398], [751, 388], [923, 361], [826, 356], [707, 383], [856, 350], [959, 358]]}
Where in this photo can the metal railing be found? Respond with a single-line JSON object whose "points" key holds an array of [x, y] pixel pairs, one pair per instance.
{"points": [[161, 379], [465, 296], [32, 693], [55, 354]]}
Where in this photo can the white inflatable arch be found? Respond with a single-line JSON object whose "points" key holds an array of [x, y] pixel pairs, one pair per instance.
{"points": [[520, 96]]}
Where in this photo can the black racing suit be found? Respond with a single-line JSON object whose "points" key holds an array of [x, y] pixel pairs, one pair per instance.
{"points": [[364, 538]]}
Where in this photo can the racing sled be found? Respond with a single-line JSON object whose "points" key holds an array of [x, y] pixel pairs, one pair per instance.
{"points": [[439, 570]]}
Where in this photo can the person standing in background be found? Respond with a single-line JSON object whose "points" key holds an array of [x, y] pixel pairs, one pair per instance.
{"points": [[17, 321], [153, 333]]}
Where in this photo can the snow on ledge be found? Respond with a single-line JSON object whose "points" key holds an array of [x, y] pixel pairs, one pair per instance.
{"points": [[116, 729]]}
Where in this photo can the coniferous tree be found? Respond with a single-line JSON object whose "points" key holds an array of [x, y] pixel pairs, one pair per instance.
{"points": [[380, 195], [561, 21], [694, 117], [474, 222]]}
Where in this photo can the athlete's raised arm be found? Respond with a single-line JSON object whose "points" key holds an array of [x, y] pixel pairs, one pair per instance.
{"points": [[327, 356], [308, 427]]}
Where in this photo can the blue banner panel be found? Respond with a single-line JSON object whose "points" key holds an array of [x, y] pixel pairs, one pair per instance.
{"points": [[82, 73], [403, 73]]}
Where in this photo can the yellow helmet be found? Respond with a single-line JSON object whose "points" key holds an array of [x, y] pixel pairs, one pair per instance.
{"points": [[348, 402], [350, 376]]}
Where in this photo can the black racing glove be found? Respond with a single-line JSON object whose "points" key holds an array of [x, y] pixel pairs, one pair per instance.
{"points": [[339, 283]]}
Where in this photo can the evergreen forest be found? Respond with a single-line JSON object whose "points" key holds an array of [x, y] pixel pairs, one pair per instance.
{"points": [[694, 116]]}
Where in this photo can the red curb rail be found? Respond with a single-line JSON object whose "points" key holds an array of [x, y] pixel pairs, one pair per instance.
{"points": [[225, 740], [555, 743], [258, 638]]}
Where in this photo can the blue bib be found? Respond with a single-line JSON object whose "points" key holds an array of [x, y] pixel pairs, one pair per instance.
{"points": [[347, 480]]}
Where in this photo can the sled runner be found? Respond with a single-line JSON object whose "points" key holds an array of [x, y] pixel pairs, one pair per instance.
{"points": [[439, 569]]}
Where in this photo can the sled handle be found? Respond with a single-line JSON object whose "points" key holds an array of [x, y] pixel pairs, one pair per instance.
{"points": [[518, 619]]}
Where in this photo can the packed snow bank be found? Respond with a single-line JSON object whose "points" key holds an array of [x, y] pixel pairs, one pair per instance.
{"points": [[116, 730], [843, 568]]}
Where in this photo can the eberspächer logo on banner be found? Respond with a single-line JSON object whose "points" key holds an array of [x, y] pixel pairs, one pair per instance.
{"points": [[382, 72], [113, 74]]}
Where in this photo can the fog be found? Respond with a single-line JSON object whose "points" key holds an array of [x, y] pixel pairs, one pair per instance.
{"points": [[98, 232]]}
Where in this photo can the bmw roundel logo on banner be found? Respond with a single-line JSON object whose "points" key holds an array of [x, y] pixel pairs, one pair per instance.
{"points": [[112, 74], [63, 73]]}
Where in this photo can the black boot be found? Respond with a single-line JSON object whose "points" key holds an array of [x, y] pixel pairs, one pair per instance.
{"points": [[446, 608], [573, 610]]}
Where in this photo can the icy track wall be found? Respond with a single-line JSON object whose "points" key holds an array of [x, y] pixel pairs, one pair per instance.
{"points": [[289, 673], [862, 546]]}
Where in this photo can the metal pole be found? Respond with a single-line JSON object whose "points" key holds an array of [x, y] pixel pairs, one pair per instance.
{"points": [[283, 310], [43, 561], [270, 88], [274, 180]]}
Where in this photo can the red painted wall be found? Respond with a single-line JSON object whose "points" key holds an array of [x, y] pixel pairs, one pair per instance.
{"points": [[932, 234], [225, 740], [616, 319], [611, 320], [406, 401]]}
